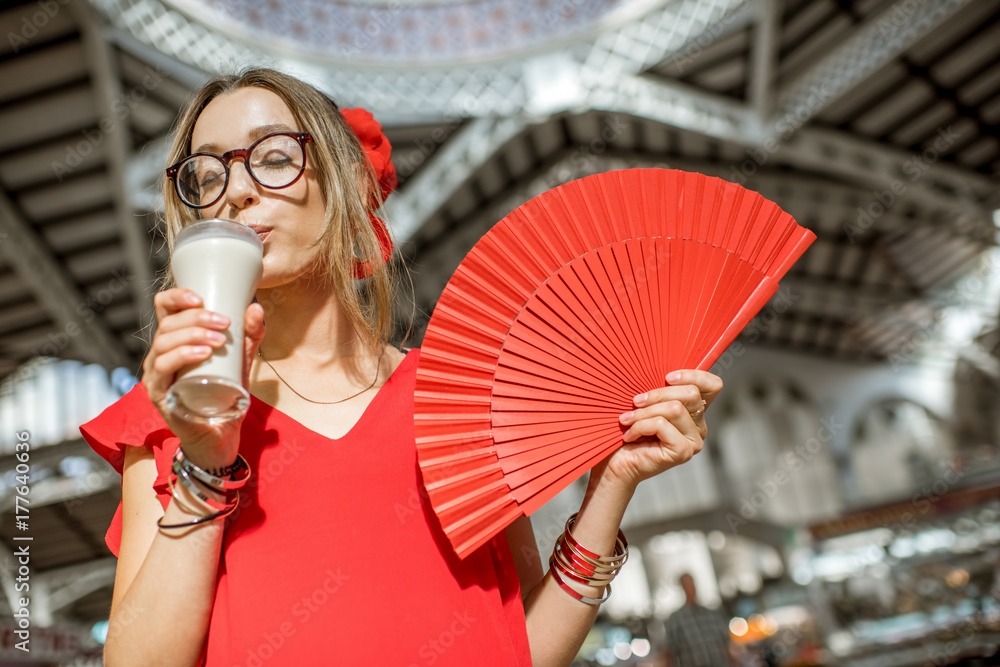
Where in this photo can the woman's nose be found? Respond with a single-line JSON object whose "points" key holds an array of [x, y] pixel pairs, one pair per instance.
{"points": [[242, 189]]}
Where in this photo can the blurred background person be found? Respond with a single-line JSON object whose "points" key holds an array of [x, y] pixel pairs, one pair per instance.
{"points": [[698, 636]]}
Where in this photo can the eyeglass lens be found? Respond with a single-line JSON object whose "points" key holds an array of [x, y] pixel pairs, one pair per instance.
{"points": [[275, 162]]}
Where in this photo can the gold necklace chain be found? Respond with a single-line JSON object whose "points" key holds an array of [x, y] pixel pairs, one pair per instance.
{"points": [[378, 365]]}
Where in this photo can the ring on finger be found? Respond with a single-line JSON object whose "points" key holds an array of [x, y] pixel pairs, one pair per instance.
{"points": [[701, 411]]}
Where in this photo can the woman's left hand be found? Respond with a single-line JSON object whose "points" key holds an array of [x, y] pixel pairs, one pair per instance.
{"points": [[666, 428]]}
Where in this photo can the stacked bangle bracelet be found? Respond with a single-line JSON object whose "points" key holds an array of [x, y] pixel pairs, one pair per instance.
{"points": [[571, 560], [197, 481]]}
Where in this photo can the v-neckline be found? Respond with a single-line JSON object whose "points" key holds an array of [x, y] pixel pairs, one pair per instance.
{"points": [[261, 403]]}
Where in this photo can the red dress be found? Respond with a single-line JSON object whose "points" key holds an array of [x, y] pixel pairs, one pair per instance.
{"points": [[334, 556]]}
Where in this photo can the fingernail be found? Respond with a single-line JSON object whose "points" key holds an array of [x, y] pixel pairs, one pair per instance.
{"points": [[626, 416], [193, 299], [674, 376], [626, 435], [220, 319], [641, 398]]}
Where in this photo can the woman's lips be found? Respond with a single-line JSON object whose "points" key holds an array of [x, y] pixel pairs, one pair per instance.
{"points": [[260, 230]]}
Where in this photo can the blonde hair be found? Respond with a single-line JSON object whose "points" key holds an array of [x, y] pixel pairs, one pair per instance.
{"points": [[335, 155]]}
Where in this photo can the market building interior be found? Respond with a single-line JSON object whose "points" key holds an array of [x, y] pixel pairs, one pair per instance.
{"points": [[846, 509]]}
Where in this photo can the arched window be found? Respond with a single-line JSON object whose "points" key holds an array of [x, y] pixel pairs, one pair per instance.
{"points": [[776, 454], [898, 445]]}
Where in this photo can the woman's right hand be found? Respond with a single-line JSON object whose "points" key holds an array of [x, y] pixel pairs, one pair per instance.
{"points": [[184, 337]]}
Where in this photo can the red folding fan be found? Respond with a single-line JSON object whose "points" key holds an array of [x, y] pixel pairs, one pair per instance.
{"points": [[571, 305]]}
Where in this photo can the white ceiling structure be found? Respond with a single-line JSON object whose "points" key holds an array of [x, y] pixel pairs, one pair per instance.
{"points": [[823, 106]]}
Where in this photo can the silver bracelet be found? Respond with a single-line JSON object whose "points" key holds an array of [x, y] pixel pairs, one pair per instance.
{"points": [[208, 478]]}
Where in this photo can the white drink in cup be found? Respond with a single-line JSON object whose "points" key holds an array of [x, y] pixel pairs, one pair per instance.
{"points": [[222, 262]]}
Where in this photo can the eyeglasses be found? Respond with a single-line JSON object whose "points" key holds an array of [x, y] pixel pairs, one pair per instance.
{"points": [[275, 161]]}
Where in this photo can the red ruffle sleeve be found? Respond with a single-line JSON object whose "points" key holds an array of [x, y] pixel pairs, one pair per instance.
{"points": [[132, 421]]}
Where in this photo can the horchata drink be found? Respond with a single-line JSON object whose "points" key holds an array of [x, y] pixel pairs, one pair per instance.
{"points": [[222, 262]]}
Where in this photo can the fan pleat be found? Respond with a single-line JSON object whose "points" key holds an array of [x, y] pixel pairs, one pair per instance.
{"points": [[741, 285], [599, 263], [598, 340], [582, 278], [538, 326], [703, 290], [524, 365], [630, 256], [648, 278], [573, 303], [632, 306], [520, 442], [543, 489], [530, 480]]}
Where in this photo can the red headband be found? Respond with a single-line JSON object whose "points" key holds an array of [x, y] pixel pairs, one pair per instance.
{"points": [[379, 150]]}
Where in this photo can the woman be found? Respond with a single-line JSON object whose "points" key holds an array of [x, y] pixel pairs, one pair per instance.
{"points": [[333, 555]]}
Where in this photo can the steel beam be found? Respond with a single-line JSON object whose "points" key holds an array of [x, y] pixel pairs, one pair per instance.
{"points": [[875, 43], [69, 584], [450, 168], [183, 73], [656, 30], [47, 279], [144, 172], [876, 167], [764, 59], [107, 81], [679, 28], [63, 489], [673, 104], [8, 577], [879, 167], [54, 590]]}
